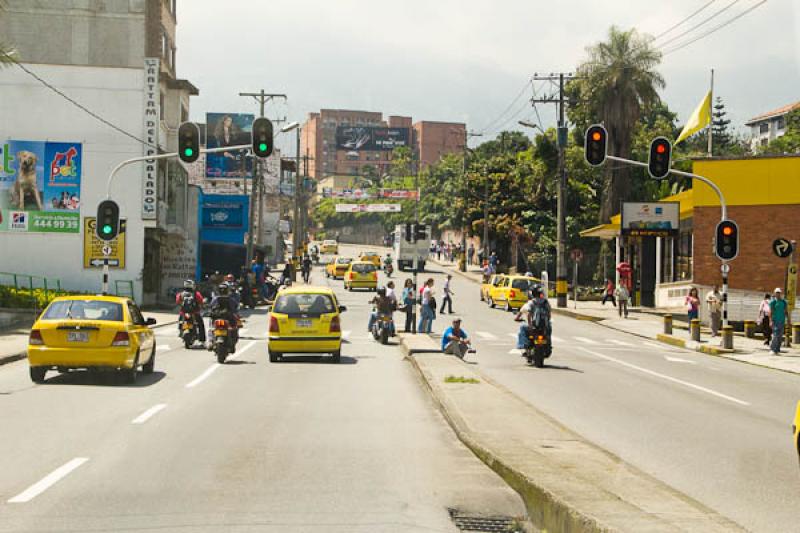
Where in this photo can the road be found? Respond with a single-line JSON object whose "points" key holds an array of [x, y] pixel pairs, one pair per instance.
{"points": [[302, 445], [716, 430]]}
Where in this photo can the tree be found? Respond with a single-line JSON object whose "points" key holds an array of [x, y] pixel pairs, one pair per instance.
{"points": [[719, 125], [789, 142], [617, 82]]}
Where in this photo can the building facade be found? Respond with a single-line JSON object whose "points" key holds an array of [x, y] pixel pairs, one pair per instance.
{"points": [[769, 126], [116, 58]]}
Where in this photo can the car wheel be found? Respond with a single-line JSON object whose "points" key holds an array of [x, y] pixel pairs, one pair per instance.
{"points": [[38, 373], [337, 356], [274, 357], [129, 375], [482, 298], [150, 365], [490, 302]]}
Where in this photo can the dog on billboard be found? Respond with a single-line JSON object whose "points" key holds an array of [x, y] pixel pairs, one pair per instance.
{"points": [[26, 181]]}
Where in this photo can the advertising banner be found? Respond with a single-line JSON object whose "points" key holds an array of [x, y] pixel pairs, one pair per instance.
{"points": [[398, 194], [355, 138], [151, 116], [40, 186], [93, 248], [368, 208], [223, 215], [228, 129], [350, 194], [654, 219]]}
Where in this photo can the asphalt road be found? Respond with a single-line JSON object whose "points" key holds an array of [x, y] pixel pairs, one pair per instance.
{"points": [[302, 445], [716, 430]]}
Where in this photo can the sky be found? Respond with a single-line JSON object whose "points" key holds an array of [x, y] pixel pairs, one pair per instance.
{"points": [[467, 60]]}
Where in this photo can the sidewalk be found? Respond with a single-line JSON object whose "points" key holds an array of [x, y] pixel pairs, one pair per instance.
{"points": [[649, 323], [567, 483]]}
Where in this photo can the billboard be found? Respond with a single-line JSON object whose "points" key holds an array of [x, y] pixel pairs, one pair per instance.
{"points": [[653, 219], [223, 214], [228, 129], [368, 208], [40, 186], [355, 138]]}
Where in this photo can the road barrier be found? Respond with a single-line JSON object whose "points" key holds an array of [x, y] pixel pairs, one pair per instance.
{"points": [[668, 324], [26, 291], [749, 329], [727, 337], [694, 328]]}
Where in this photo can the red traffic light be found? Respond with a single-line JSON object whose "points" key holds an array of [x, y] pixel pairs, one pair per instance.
{"points": [[596, 145], [661, 148], [596, 136], [727, 231]]}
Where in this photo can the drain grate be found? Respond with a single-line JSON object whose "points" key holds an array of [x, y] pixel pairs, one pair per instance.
{"points": [[469, 522]]}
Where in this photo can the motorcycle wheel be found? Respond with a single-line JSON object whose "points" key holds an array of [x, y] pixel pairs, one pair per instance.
{"points": [[187, 342], [385, 336], [538, 359], [222, 354], [375, 334]]}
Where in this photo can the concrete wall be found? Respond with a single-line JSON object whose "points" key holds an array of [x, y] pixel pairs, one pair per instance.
{"points": [[32, 112]]}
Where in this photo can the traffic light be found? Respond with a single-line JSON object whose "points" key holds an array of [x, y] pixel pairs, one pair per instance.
{"points": [[596, 145], [727, 242], [262, 137], [409, 231], [107, 220], [420, 233], [188, 142], [660, 157]]}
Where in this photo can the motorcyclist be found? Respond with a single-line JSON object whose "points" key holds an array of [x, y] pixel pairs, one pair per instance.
{"points": [[306, 268], [191, 302], [384, 305], [537, 315], [225, 306], [287, 274], [387, 264]]}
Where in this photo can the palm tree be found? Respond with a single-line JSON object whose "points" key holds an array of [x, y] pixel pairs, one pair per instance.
{"points": [[619, 81]]}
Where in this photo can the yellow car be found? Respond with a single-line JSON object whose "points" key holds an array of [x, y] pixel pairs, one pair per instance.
{"points": [[361, 275], [370, 257], [338, 267], [511, 292], [329, 246], [91, 332], [305, 320], [796, 430], [494, 280]]}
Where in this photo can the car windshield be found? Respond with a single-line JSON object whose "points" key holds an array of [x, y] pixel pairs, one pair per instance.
{"points": [[84, 310], [309, 304], [344, 261], [521, 284], [363, 268]]}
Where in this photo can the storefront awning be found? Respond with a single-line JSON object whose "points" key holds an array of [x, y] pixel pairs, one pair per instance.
{"points": [[603, 231]]}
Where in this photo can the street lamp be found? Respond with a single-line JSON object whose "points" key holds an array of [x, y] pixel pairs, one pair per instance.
{"points": [[531, 125]]}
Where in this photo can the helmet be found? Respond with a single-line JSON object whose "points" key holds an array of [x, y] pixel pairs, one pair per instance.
{"points": [[229, 278], [223, 289], [536, 290], [188, 284], [381, 291]]}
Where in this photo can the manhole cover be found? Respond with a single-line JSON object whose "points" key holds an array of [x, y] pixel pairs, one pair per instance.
{"points": [[470, 522]]}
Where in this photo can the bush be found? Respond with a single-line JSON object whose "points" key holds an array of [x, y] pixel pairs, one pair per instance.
{"points": [[27, 299]]}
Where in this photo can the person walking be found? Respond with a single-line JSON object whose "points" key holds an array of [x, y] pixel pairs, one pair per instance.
{"points": [[493, 262], [609, 294], [714, 303], [777, 307], [622, 299], [408, 302], [764, 312], [470, 254], [447, 296], [692, 305], [428, 313]]}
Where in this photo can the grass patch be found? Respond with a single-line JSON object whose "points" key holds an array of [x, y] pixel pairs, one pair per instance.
{"points": [[460, 379]]}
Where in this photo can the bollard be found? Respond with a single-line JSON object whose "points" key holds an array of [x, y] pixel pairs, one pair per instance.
{"points": [[667, 324], [694, 329], [796, 333], [749, 329], [727, 337]]}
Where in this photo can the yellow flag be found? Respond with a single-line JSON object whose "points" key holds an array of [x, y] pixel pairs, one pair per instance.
{"points": [[699, 119]]}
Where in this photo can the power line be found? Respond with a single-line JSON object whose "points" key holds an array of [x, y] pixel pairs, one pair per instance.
{"points": [[719, 27], [663, 33], [705, 20], [501, 115], [74, 102]]}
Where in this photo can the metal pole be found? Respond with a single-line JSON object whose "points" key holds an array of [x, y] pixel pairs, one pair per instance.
{"points": [[416, 253], [575, 285], [711, 123], [105, 275], [561, 254], [296, 229], [251, 218]]}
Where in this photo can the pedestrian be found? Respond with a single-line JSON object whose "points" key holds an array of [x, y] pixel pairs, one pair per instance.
{"points": [[447, 296], [692, 305], [470, 254], [455, 340], [486, 270], [480, 256], [764, 312], [714, 303], [609, 294], [493, 261], [623, 296], [408, 302], [777, 308], [439, 251], [428, 313]]}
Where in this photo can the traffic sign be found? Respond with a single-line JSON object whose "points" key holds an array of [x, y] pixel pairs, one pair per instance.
{"points": [[94, 249], [577, 255], [782, 247]]}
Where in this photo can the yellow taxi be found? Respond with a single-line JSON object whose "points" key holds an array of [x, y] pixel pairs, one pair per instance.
{"points": [[91, 332], [494, 280], [361, 275], [337, 267], [511, 292], [796, 430], [305, 320], [371, 257], [329, 246]]}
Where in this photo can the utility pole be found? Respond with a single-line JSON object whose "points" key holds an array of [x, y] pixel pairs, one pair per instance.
{"points": [[561, 253], [462, 260]]}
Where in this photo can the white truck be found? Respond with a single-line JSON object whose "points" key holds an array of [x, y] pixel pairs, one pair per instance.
{"points": [[405, 250]]}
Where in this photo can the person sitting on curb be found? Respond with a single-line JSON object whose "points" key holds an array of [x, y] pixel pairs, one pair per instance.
{"points": [[455, 340]]}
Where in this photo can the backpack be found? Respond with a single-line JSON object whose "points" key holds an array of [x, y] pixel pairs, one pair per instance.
{"points": [[540, 312], [188, 303]]}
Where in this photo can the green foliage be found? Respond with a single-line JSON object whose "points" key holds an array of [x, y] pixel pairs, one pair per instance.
{"points": [[461, 379], [27, 298], [789, 142]]}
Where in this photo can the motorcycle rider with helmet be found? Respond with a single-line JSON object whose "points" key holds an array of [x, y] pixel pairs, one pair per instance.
{"points": [[384, 305], [537, 314], [225, 306], [191, 302]]}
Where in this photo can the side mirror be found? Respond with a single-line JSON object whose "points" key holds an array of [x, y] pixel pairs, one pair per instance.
{"points": [[150, 321], [342, 309]]}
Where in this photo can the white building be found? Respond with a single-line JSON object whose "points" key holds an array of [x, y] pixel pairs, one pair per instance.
{"points": [[118, 60], [769, 126]]}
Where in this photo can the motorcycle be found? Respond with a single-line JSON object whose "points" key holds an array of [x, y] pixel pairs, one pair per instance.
{"points": [[388, 269], [224, 337], [315, 257], [382, 328], [188, 329], [539, 346]]}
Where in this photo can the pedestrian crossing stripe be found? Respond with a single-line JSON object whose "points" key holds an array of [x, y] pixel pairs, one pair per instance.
{"points": [[621, 343], [346, 334], [585, 340], [486, 335], [515, 351]]}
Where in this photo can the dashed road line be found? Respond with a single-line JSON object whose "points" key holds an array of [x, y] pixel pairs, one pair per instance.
{"points": [[48, 481], [213, 368], [147, 415], [620, 343], [585, 340], [679, 360]]}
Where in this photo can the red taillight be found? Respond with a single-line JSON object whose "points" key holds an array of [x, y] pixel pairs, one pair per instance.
{"points": [[541, 337], [374, 275], [350, 276], [336, 326], [512, 294], [121, 339], [273, 325], [220, 324], [35, 337]]}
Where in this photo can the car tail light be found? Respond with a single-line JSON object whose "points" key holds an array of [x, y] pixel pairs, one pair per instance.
{"points": [[220, 324], [35, 337], [374, 275], [336, 326], [541, 337], [273, 325], [350, 277], [121, 339], [512, 294]]}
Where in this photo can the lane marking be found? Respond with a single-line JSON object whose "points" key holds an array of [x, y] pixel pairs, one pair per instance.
{"points": [[346, 334], [653, 345], [679, 360], [48, 481], [665, 377], [514, 335], [164, 347], [486, 335], [144, 417], [210, 370], [620, 343], [553, 338], [515, 351], [585, 340]]}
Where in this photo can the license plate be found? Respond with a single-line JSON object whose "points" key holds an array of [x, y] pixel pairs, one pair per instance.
{"points": [[304, 323], [221, 332], [187, 326], [540, 341], [77, 336]]}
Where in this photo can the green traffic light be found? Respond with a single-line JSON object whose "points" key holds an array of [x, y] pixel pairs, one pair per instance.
{"points": [[107, 229], [188, 152], [262, 147]]}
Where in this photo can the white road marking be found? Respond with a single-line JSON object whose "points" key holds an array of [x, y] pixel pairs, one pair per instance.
{"points": [[679, 360], [164, 347], [210, 370], [553, 338], [48, 481], [512, 335], [486, 335], [667, 378], [144, 417], [621, 343], [585, 340], [346, 334], [653, 345], [515, 351]]}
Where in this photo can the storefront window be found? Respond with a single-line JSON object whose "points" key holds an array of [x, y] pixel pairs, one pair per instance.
{"points": [[667, 260], [684, 251]]}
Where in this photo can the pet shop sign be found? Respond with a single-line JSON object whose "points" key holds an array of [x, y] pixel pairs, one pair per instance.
{"points": [[40, 186]]}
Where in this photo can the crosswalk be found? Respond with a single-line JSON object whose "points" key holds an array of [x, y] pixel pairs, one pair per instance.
{"points": [[491, 339]]}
